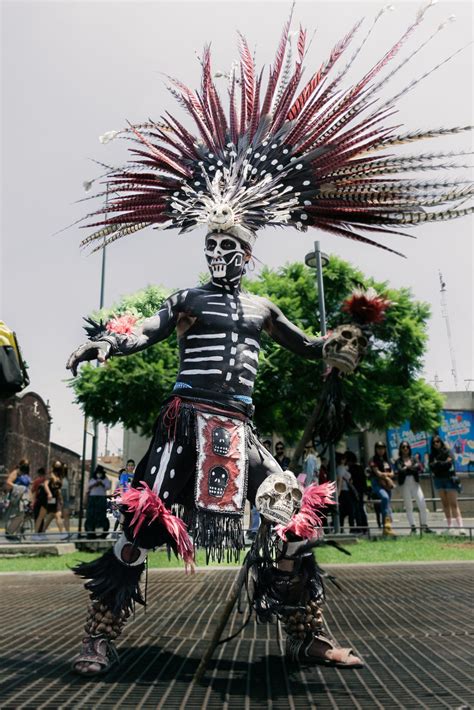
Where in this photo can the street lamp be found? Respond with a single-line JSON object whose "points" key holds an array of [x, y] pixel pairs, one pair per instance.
{"points": [[318, 260], [87, 185]]}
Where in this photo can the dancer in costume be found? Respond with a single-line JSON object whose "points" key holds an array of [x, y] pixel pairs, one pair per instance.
{"points": [[320, 156]]}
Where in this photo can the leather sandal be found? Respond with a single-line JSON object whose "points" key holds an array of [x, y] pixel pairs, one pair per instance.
{"points": [[321, 650], [96, 650]]}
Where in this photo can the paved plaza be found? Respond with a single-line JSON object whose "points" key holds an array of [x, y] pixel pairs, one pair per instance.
{"points": [[412, 624]]}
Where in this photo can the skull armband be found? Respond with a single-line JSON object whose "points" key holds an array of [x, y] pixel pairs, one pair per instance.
{"points": [[279, 497], [345, 347]]}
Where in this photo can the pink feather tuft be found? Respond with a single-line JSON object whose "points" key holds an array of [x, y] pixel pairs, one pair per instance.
{"points": [[123, 325], [308, 519], [366, 307], [146, 507]]}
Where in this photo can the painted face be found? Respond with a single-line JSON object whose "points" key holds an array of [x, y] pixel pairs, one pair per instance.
{"points": [[225, 258]]}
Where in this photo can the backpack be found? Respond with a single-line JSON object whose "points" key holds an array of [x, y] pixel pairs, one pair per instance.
{"points": [[13, 374]]}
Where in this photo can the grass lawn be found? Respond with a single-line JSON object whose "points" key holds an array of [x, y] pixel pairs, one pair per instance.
{"points": [[406, 549]]}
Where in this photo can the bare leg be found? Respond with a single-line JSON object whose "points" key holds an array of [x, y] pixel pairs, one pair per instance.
{"points": [[66, 518], [453, 503], [308, 640], [40, 519], [59, 521], [446, 507], [47, 520]]}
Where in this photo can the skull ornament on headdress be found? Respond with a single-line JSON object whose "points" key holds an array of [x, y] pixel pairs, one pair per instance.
{"points": [[345, 347], [279, 497], [221, 218]]}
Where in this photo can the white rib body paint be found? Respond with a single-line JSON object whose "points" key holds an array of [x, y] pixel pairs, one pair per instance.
{"points": [[250, 341], [205, 349], [250, 354], [244, 381], [211, 358], [250, 368], [216, 313], [201, 372], [208, 336]]}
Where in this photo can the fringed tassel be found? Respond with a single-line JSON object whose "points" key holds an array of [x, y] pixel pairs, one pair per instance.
{"points": [[111, 582], [220, 535], [175, 423], [334, 416], [306, 522], [147, 508]]}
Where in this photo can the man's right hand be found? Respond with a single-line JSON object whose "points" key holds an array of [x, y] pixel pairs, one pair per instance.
{"points": [[99, 351]]}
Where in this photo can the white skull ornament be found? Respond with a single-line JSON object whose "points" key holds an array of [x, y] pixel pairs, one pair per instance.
{"points": [[221, 217], [279, 497], [345, 347]]}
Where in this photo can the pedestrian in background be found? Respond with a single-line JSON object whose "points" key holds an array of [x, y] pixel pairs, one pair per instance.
{"points": [[65, 500], [407, 471], [18, 486], [359, 482], [381, 478], [54, 501], [283, 461], [345, 493], [38, 494], [126, 476], [96, 515], [446, 482], [310, 465]]}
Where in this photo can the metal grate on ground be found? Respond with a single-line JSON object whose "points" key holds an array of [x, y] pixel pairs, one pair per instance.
{"points": [[412, 624]]}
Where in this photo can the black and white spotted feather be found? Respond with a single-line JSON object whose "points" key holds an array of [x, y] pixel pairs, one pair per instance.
{"points": [[321, 155]]}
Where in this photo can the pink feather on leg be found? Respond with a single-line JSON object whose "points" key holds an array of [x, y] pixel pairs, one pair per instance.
{"points": [[146, 507]]}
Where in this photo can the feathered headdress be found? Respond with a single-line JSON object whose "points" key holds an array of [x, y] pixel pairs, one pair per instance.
{"points": [[318, 155]]}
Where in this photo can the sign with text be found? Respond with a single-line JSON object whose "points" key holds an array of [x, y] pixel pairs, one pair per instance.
{"points": [[457, 430]]}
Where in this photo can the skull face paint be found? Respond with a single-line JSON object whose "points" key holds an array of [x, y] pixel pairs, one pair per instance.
{"points": [[279, 497], [217, 481], [225, 258], [345, 347], [220, 441]]}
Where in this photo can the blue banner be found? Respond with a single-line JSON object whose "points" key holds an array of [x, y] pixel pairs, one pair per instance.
{"points": [[457, 430]]}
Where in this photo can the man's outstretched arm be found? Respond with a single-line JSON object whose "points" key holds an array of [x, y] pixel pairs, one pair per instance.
{"points": [[289, 336], [105, 343]]}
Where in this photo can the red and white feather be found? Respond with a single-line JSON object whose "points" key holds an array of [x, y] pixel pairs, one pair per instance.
{"points": [[147, 507]]}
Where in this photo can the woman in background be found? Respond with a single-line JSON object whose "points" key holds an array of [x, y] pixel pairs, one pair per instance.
{"points": [[441, 464], [18, 486], [381, 477], [408, 470], [52, 511], [96, 516]]}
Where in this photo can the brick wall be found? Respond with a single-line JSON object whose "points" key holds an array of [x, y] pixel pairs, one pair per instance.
{"points": [[25, 425]]}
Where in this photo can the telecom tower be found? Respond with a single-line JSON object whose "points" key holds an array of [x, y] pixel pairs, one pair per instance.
{"points": [[444, 313]]}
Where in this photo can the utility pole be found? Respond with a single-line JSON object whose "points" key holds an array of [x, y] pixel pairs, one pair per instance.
{"points": [[436, 381], [444, 312], [95, 438]]}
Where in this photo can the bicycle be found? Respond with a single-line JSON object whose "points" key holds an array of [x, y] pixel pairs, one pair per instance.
{"points": [[26, 528]]}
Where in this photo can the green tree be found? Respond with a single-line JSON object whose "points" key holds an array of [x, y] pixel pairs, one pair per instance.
{"points": [[384, 391]]}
